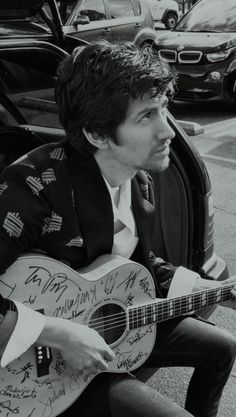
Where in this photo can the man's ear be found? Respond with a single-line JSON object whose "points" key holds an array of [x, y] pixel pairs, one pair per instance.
{"points": [[96, 140]]}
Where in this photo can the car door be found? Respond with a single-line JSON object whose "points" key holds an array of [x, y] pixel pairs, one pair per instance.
{"points": [[88, 21], [27, 82], [125, 18]]}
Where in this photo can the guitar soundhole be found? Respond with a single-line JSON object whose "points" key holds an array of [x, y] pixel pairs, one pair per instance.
{"points": [[110, 322]]}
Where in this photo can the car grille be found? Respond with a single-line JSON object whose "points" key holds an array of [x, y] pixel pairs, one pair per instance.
{"points": [[183, 57], [170, 56], [191, 57]]}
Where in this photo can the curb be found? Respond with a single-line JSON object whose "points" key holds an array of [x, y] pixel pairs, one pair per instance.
{"points": [[191, 128]]}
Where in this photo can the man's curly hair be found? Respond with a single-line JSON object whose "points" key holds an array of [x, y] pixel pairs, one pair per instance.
{"points": [[95, 85]]}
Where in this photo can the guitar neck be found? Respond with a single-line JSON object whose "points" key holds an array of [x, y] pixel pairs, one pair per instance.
{"points": [[166, 309]]}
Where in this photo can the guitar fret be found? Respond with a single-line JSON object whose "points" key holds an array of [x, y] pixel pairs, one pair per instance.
{"points": [[168, 308], [154, 316], [219, 296], [143, 316]]}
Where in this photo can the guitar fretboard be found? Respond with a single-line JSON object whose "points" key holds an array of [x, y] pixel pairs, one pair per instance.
{"points": [[166, 309]]}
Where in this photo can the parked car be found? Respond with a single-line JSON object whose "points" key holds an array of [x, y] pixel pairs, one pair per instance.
{"points": [[111, 19], [202, 47], [70, 23], [29, 118], [34, 19], [165, 11]]}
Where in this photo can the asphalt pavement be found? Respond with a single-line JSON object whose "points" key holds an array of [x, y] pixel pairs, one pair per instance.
{"points": [[173, 382], [217, 145]]}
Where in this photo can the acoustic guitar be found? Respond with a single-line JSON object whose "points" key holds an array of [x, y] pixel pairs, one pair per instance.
{"points": [[113, 295]]}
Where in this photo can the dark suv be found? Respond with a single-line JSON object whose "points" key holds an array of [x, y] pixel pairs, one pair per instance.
{"points": [[202, 47], [29, 118]]}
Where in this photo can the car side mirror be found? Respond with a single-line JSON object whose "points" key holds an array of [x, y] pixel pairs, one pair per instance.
{"points": [[81, 20]]}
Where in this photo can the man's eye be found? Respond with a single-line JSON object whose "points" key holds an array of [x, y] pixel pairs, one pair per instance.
{"points": [[146, 116]]}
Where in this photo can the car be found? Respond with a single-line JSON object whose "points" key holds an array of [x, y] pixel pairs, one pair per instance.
{"points": [[35, 19], [165, 11], [184, 218], [69, 24], [202, 48], [110, 19]]}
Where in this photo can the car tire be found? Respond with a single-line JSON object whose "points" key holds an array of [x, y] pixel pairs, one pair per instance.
{"points": [[170, 20], [145, 38]]}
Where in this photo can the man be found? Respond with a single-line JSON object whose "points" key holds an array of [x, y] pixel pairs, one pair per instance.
{"points": [[86, 197]]}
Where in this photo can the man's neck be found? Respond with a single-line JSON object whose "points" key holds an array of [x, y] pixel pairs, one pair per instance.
{"points": [[115, 173]]}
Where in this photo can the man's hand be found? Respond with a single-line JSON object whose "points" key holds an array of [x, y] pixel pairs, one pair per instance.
{"points": [[203, 284], [231, 303], [81, 347]]}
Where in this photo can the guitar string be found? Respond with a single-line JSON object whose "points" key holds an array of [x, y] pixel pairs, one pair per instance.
{"points": [[136, 316], [165, 308], [179, 300]]}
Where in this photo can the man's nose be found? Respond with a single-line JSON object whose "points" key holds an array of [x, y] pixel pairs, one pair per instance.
{"points": [[164, 130]]}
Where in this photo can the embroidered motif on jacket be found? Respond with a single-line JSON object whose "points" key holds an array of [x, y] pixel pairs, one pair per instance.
{"points": [[48, 176], [35, 184], [58, 154], [77, 241], [3, 187], [53, 224], [13, 224]]}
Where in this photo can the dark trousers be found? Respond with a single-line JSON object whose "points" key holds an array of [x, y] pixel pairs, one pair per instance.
{"points": [[187, 342]]}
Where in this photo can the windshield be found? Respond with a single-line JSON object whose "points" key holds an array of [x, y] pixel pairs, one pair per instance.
{"points": [[210, 16]]}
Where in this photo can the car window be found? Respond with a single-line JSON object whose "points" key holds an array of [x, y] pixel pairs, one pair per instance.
{"points": [[94, 9], [210, 16], [121, 8], [29, 80], [65, 8], [137, 7]]}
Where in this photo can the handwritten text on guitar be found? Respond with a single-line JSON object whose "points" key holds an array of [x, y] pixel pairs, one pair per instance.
{"points": [[114, 295]]}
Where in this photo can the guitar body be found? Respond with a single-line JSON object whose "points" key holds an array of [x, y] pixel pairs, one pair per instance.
{"points": [[40, 383]]}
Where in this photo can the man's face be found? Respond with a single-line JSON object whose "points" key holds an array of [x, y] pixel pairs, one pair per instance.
{"points": [[143, 139]]}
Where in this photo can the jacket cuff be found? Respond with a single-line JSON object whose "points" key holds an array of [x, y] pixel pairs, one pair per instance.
{"points": [[29, 325], [182, 282]]}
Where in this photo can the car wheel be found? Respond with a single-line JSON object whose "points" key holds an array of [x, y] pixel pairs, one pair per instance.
{"points": [[145, 38], [170, 20], [146, 44]]}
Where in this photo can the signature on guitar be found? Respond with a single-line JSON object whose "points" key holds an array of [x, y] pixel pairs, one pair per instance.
{"points": [[114, 295]]}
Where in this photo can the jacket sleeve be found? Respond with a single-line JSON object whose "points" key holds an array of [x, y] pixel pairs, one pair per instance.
{"points": [[24, 209]]}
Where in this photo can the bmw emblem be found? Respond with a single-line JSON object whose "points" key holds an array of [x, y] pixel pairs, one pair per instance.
{"points": [[180, 48]]}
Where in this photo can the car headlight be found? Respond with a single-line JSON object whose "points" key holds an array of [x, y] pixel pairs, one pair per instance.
{"points": [[218, 56]]}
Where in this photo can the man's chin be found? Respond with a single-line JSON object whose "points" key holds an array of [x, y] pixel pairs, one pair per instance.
{"points": [[162, 165]]}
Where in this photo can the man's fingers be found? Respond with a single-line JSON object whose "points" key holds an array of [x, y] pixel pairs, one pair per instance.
{"points": [[109, 355]]}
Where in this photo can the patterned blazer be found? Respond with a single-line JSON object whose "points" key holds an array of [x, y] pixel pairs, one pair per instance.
{"points": [[54, 200]]}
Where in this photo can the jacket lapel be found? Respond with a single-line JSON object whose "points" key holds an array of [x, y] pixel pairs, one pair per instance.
{"points": [[144, 213], [95, 214], [144, 216]]}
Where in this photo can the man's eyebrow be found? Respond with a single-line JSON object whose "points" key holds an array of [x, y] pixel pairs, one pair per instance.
{"points": [[146, 110], [163, 101]]}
